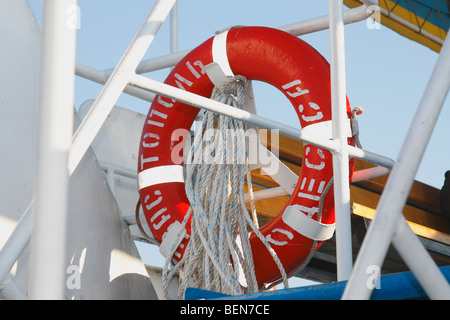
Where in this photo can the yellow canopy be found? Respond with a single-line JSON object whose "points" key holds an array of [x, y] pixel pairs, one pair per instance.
{"points": [[424, 21]]}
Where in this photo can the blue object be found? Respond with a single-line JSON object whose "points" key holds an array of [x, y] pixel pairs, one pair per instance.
{"points": [[397, 286]]}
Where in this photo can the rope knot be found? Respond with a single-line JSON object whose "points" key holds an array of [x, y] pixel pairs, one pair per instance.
{"points": [[354, 123], [236, 88]]}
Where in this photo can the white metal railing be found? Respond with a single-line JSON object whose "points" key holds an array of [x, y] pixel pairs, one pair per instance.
{"points": [[117, 82], [388, 224]]}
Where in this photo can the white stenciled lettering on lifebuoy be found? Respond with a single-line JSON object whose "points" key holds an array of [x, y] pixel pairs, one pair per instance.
{"points": [[147, 160], [321, 187], [319, 166], [193, 71], [279, 243], [153, 204], [156, 113], [150, 135], [164, 103], [164, 218], [314, 106], [298, 91], [312, 184], [309, 187], [182, 80], [308, 196]]}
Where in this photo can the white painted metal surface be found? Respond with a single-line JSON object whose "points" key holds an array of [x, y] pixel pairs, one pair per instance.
{"points": [[101, 260], [99, 244], [340, 155]]}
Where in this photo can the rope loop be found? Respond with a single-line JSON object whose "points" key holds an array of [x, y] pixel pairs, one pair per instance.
{"points": [[218, 255]]}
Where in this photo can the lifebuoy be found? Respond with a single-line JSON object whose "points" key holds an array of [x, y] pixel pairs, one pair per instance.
{"points": [[303, 75]]}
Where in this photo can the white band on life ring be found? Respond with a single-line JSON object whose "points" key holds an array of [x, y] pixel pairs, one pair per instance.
{"points": [[324, 130], [158, 175], [172, 233], [307, 226], [219, 52]]}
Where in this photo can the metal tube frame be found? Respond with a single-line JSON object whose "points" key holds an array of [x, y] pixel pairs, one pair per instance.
{"points": [[340, 156], [57, 77], [116, 84], [124, 78], [385, 222]]}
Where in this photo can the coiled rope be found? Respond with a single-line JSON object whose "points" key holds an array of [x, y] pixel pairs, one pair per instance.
{"points": [[217, 165]]}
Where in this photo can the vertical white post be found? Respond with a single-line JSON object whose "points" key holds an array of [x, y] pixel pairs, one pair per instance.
{"points": [[174, 28], [390, 206], [48, 241], [340, 158]]}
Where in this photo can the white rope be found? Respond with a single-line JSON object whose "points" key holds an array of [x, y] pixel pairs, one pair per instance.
{"points": [[216, 169]]}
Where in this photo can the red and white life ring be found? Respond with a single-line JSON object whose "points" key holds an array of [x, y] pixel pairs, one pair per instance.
{"points": [[303, 75]]}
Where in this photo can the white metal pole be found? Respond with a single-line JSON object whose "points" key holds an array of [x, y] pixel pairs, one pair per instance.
{"points": [[251, 118], [116, 84], [382, 228], [322, 23], [419, 261], [101, 78], [10, 291], [174, 28], [48, 241], [16, 243], [340, 158]]}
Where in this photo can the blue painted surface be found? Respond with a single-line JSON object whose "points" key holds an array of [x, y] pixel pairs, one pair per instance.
{"points": [[436, 12], [398, 286]]}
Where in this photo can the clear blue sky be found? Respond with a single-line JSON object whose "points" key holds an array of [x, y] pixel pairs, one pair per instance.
{"points": [[386, 73]]}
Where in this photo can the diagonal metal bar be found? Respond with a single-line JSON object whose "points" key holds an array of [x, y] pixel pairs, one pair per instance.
{"points": [[341, 157], [383, 227], [16, 243], [116, 84], [250, 118]]}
